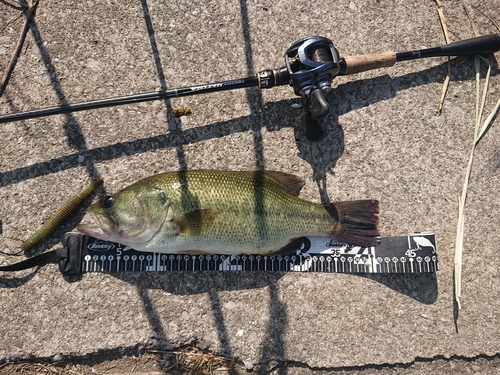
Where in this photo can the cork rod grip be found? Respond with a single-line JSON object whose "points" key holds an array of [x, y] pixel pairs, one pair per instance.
{"points": [[362, 63]]}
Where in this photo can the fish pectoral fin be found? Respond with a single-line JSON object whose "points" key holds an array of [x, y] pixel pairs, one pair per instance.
{"points": [[196, 222]]}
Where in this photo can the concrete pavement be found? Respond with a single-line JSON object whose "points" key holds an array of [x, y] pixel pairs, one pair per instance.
{"points": [[385, 140]]}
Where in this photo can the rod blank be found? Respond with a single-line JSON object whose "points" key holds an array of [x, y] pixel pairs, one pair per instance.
{"points": [[349, 65], [480, 45], [130, 99]]}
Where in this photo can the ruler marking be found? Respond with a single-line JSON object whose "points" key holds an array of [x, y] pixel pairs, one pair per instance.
{"points": [[391, 257]]}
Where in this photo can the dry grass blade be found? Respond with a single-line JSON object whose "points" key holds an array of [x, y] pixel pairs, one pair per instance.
{"points": [[195, 361], [497, 25], [477, 67], [474, 28], [446, 82], [493, 21], [480, 102], [488, 121], [479, 132], [457, 271], [460, 232]]}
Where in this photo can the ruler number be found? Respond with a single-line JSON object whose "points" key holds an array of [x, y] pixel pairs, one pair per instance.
{"points": [[335, 253], [411, 253]]}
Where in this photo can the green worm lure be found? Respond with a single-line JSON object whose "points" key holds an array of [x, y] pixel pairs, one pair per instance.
{"points": [[67, 208]]}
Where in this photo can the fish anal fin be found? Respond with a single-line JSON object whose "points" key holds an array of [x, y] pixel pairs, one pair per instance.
{"points": [[196, 222], [289, 183]]}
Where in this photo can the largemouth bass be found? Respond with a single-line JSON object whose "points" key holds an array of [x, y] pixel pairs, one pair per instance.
{"points": [[225, 213]]}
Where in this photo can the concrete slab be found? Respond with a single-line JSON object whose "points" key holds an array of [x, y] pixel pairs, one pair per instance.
{"points": [[385, 140]]}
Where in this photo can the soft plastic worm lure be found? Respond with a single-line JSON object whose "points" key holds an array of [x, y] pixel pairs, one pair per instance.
{"points": [[67, 208]]}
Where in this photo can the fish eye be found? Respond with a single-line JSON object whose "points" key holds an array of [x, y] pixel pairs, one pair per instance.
{"points": [[107, 202]]}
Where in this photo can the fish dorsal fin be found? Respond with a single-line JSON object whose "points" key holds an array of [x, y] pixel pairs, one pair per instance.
{"points": [[196, 222], [289, 183]]}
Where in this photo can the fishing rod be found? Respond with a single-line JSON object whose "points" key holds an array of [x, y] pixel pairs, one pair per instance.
{"points": [[312, 63]]}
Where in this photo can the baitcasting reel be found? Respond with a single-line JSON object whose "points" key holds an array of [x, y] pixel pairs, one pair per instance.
{"points": [[312, 64]]}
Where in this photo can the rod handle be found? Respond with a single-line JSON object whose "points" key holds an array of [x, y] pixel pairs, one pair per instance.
{"points": [[362, 63], [476, 46]]}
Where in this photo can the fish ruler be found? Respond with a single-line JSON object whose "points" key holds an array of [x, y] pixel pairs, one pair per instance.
{"points": [[415, 253]]}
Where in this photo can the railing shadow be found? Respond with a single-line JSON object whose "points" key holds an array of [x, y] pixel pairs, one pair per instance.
{"points": [[279, 115]]}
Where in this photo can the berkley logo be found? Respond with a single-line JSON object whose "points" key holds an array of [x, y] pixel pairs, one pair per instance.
{"points": [[100, 246]]}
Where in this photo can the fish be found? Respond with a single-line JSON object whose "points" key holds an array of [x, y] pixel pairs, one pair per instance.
{"points": [[225, 212]]}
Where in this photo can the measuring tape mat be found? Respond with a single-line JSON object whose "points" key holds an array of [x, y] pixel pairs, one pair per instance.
{"points": [[415, 253]]}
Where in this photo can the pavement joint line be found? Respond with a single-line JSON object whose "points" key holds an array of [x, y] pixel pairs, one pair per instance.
{"points": [[120, 353]]}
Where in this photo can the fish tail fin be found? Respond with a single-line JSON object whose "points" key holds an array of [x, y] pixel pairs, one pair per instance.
{"points": [[357, 222]]}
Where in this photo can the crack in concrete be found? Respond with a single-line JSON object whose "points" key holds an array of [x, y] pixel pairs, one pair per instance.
{"points": [[290, 364]]}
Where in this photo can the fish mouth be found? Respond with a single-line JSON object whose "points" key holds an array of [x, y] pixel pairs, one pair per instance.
{"points": [[104, 226], [96, 227]]}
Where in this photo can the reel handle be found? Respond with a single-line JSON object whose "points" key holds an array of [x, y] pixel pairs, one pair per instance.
{"points": [[318, 109], [319, 106]]}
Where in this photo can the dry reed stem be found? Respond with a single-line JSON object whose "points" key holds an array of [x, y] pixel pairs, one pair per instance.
{"points": [[459, 244], [30, 13], [446, 82], [460, 232], [479, 132]]}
